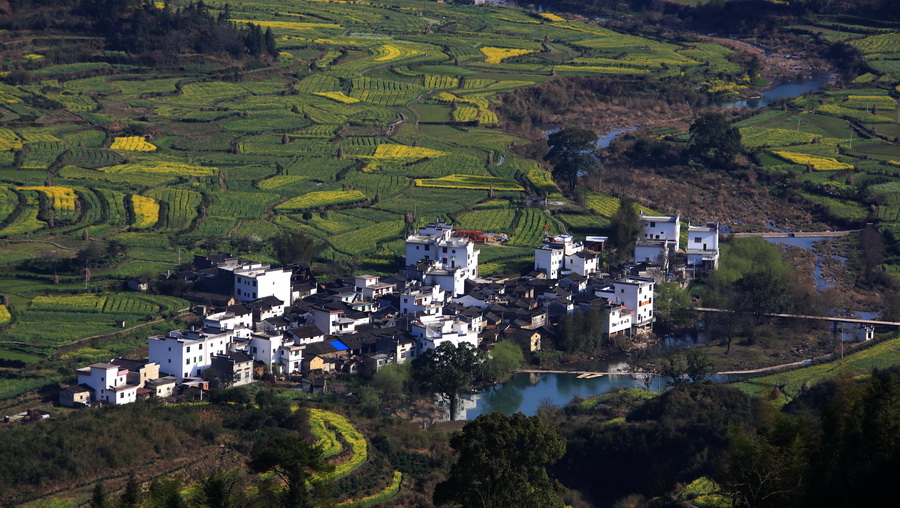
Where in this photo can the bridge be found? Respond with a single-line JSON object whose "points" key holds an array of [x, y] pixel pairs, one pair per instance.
{"points": [[796, 234], [817, 318]]}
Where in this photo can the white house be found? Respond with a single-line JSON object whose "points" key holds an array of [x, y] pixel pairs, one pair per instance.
{"points": [[371, 287], [703, 246], [661, 227], [184, 353], [619, 319], [453, 259], [561, 255], [428, 299], [636, 295], [432, 331], [234, 316], [108, 382], [254, 281]]}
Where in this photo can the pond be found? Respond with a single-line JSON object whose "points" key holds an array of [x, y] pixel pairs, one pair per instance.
{"points": [[529, 392], [785, 90]]}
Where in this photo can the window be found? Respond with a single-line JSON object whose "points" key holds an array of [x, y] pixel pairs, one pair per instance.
{"points": [[170, 360], [189, 349], [697, 239], [187, 361], [201, 346], [652, 224], [121, 395], [170, 348], [254, 283], [444, 250], [428, 247]]}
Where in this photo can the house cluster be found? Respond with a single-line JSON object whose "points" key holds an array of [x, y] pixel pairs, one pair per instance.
{"points": [[259, 318]]}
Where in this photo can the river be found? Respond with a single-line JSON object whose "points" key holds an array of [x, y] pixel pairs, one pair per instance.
{"points": [[785, 90]]}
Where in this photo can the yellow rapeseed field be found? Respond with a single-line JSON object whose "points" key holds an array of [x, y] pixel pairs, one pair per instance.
{"points": [[132, 144], [388, 52], [551, 17], [818, 163], [389, 151], [146, 211], [61, 198], [4, 314], [497, 55], [338, 96]]}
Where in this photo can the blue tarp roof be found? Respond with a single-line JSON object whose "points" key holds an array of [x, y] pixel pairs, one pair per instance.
{"points": [[340, 346]]}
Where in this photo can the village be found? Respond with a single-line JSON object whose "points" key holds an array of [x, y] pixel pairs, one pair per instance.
{"points": [[282, 321]]}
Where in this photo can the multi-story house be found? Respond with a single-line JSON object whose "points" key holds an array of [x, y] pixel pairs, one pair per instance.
{"points": [[186, 353]]}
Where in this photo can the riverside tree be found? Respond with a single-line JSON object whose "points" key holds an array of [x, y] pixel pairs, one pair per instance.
{"points": [[447, 369]]}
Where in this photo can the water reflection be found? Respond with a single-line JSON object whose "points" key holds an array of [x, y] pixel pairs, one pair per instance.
{"points": [[789, 89]]}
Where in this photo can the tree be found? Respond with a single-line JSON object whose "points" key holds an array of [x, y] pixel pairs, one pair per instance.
{"points": [[295, 247], [447, 369], [572, 154], [581, 331], [391, 381], [223, 489], [295, 460], [98, 497], [503, 359], [502, 463], [625, 228], [166, 493], [131, 496], [712, 136], [672, 306]]}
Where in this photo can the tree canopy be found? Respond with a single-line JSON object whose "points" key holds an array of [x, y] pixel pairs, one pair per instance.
{"points": [[502, 463], [447, 369], [295, 247], [572, 154], [625, 229], [712, 136]]}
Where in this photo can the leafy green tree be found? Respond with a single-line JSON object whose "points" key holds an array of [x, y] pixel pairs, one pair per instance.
{"points": [[447, 369], [503, 359], [572, 154], [392, 381], [625, 228], [502, 463], [295, 247], [672, 306], [295, 460], [165, 493], [581, 331], [712, 136]]}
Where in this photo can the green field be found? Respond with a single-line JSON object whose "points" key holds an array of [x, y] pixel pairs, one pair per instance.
{"points": [[371, 112]]}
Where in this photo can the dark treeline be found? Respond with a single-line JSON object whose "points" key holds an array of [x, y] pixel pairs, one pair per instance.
{"points": [[139, 26], [728, 16], [835, 445]]}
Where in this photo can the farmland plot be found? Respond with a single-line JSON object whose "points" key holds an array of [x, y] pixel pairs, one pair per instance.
{"points": [[181, 206]]}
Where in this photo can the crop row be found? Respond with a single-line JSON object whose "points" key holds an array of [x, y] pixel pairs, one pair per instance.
{"points": [[42, 154], [493, 220], [160, 166], [496, 55], [182, 206], [385, 97], [359, 451], [132, 144], [439, 82], [241, 205], [366, 239], [338, 96], [818, 163], [391, 151], [146, 211], [61, 198], [471, 182], [26, 222], [532, 225], [755, 136], [322, 199], [93, 158]]}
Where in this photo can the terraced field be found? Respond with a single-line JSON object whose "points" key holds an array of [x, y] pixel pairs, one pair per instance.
{"points": [[370, 114]]}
